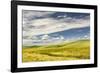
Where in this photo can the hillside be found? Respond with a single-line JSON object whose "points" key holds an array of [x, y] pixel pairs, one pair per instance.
{"points": [[65, 51]]}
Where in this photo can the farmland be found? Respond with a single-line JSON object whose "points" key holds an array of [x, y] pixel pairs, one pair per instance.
{"points": [[75, 50]]}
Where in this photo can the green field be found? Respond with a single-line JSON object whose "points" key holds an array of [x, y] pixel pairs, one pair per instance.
{"points": [[66, 51]]}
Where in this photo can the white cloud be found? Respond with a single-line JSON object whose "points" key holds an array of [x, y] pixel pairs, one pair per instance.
{"points": [[51, 25], [61, 37], [28, 15], [45, 37], [60, 16], [46, 25]]}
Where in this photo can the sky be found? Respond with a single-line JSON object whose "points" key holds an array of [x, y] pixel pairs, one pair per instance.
{"points": [[44, 27]]}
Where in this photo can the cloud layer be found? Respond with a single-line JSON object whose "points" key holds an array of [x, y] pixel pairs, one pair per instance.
{"points": [[44, 22], [36, 22]]}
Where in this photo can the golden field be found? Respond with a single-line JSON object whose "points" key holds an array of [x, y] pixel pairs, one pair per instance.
{"points": [[75, 50]]}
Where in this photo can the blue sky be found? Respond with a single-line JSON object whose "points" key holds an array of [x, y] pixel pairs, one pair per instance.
{"points": [[46, 26]]}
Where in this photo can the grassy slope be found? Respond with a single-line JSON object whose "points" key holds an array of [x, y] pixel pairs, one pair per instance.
{"points": [[65, 51]]}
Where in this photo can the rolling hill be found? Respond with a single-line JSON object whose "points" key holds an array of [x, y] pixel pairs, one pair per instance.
{"points": [[75, 50]]}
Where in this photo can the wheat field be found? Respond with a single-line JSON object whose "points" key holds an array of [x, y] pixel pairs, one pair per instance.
{"points": [[75, 50]]}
